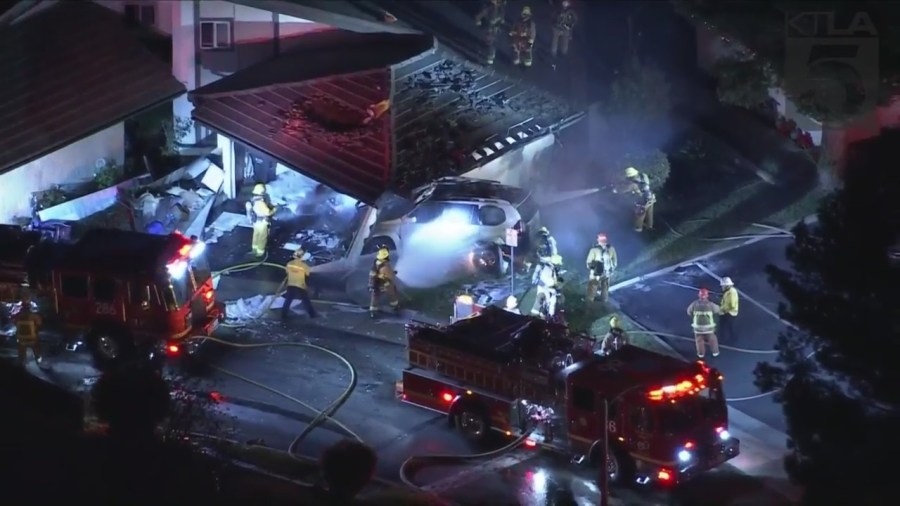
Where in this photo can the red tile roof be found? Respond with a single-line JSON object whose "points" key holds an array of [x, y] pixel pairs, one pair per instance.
{"points": [[69, 72], [277, 107], [280, 120]]}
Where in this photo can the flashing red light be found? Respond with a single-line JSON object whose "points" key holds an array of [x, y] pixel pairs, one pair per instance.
{"points": [[719, 430], [447, 396], [664, 475], [216, 397], [173, 349], [208, 295], [680, 389], [530, 443], [688, 445]]}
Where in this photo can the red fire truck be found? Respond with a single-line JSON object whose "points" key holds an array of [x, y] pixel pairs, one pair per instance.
{"points": [[666, 419], [125, 295]]}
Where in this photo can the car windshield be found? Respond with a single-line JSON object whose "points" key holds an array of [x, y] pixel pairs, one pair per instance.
{"points": [[686, 413], [201, 270], [177, 291]]}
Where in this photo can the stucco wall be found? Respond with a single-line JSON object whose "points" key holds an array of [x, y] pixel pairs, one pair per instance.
{"points": [[517, 167], [71, 164]]}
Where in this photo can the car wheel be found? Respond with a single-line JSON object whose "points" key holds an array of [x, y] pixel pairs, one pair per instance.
{"points": [[110, 346], [473, 423]]}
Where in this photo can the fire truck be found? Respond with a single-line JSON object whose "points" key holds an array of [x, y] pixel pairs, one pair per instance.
{"points": [[665, 419], [125, 295]]}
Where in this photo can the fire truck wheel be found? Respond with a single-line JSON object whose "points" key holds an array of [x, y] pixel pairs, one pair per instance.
{"points": [[110, 346], [619, 464], [473, 422]]}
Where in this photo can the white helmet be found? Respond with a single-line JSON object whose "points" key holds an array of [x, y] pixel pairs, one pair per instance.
{"points": [[726, 281], [512, 302]]}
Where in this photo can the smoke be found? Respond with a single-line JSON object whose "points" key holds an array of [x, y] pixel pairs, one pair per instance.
{"points": [[435, 255]]}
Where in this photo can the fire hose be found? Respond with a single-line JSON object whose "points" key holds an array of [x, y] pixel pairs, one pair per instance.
{"points": [[327, 414]]}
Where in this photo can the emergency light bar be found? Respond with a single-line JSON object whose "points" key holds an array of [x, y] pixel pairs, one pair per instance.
{"points": [[680, 389]]}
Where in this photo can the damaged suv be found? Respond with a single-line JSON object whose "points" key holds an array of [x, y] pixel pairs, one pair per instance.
{"points": [[477, 210]]}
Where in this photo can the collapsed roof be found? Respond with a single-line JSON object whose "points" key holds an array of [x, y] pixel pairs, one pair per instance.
{"points": [[371, 112]]}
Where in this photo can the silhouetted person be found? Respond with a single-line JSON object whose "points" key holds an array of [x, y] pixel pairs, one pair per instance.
{"points": [[132, 464], [347, 467]]}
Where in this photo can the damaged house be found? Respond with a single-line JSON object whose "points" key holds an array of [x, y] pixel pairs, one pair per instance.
{"points": [[371, 113]]}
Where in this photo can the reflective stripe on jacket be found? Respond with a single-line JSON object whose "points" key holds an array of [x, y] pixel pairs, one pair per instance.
{"points": [[27, 328], [297, 272], [729, 303], [702, 316], [607, 256]]}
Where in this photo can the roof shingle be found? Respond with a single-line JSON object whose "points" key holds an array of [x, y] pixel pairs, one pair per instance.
{"points": [[69, 72]]}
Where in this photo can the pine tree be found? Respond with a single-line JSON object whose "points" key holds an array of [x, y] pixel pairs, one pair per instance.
{"points": [[838, 372]]}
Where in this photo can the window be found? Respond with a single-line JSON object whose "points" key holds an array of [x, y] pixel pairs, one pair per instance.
{"points": [[641, 419], [491, 216], [104, 290], [583, 398], [74, 286], [215, 34], [678, 417], [143, 14], [140, 294]]}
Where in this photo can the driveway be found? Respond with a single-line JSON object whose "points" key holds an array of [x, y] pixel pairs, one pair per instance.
{"points": [[660, 303]]}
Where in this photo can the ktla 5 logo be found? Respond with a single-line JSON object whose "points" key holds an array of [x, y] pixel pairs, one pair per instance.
{"points": [[831, 66]]}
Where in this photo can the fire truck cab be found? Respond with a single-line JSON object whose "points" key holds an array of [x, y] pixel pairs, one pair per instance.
{"points": [[666, 419], [125, 295]]}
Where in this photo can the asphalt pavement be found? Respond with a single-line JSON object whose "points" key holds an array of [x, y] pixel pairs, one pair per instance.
{"points": [[396, 430], [660, 304]]}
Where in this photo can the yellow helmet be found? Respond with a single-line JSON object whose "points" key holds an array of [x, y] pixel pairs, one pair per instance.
{"points": [[614, 322], [526, 11], [383, 254], [631, 172], [259, 189], [299, 252], [556, 260]]}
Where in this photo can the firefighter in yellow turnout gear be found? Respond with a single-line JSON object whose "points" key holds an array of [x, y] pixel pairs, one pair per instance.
{"points": [[491, 19], [297, 276], [637, 185], [728, 310], [523, 34], [602, 262], [702, 312], [382, 280], [615, 338], [28, 325], [564, 20], [259, 212]]}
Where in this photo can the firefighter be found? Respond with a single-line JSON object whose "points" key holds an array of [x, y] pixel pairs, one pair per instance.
{"points": [[615, 338], [259, 212], [382, 280], [728, 310], [512, 304], [637, 185], [28, 325], [702, 313], [546, 283], [546, 245], [564, 21], [297, 276], [601, 263], [491, 18], [523, 34]]}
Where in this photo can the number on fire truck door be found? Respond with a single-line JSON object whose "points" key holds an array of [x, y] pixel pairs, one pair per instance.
{"points": [[104, 309], [612, 426], [643, 446]]}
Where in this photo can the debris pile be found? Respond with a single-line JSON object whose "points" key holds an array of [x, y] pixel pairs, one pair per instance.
{"points": [[318, 117], [243, 310], [321, 246]]}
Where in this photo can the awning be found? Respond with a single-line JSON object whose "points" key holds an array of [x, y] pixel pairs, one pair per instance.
{"points": [[69, 72]]}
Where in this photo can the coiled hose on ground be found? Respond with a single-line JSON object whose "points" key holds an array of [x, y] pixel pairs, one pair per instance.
{"points": [[327, 414]]}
